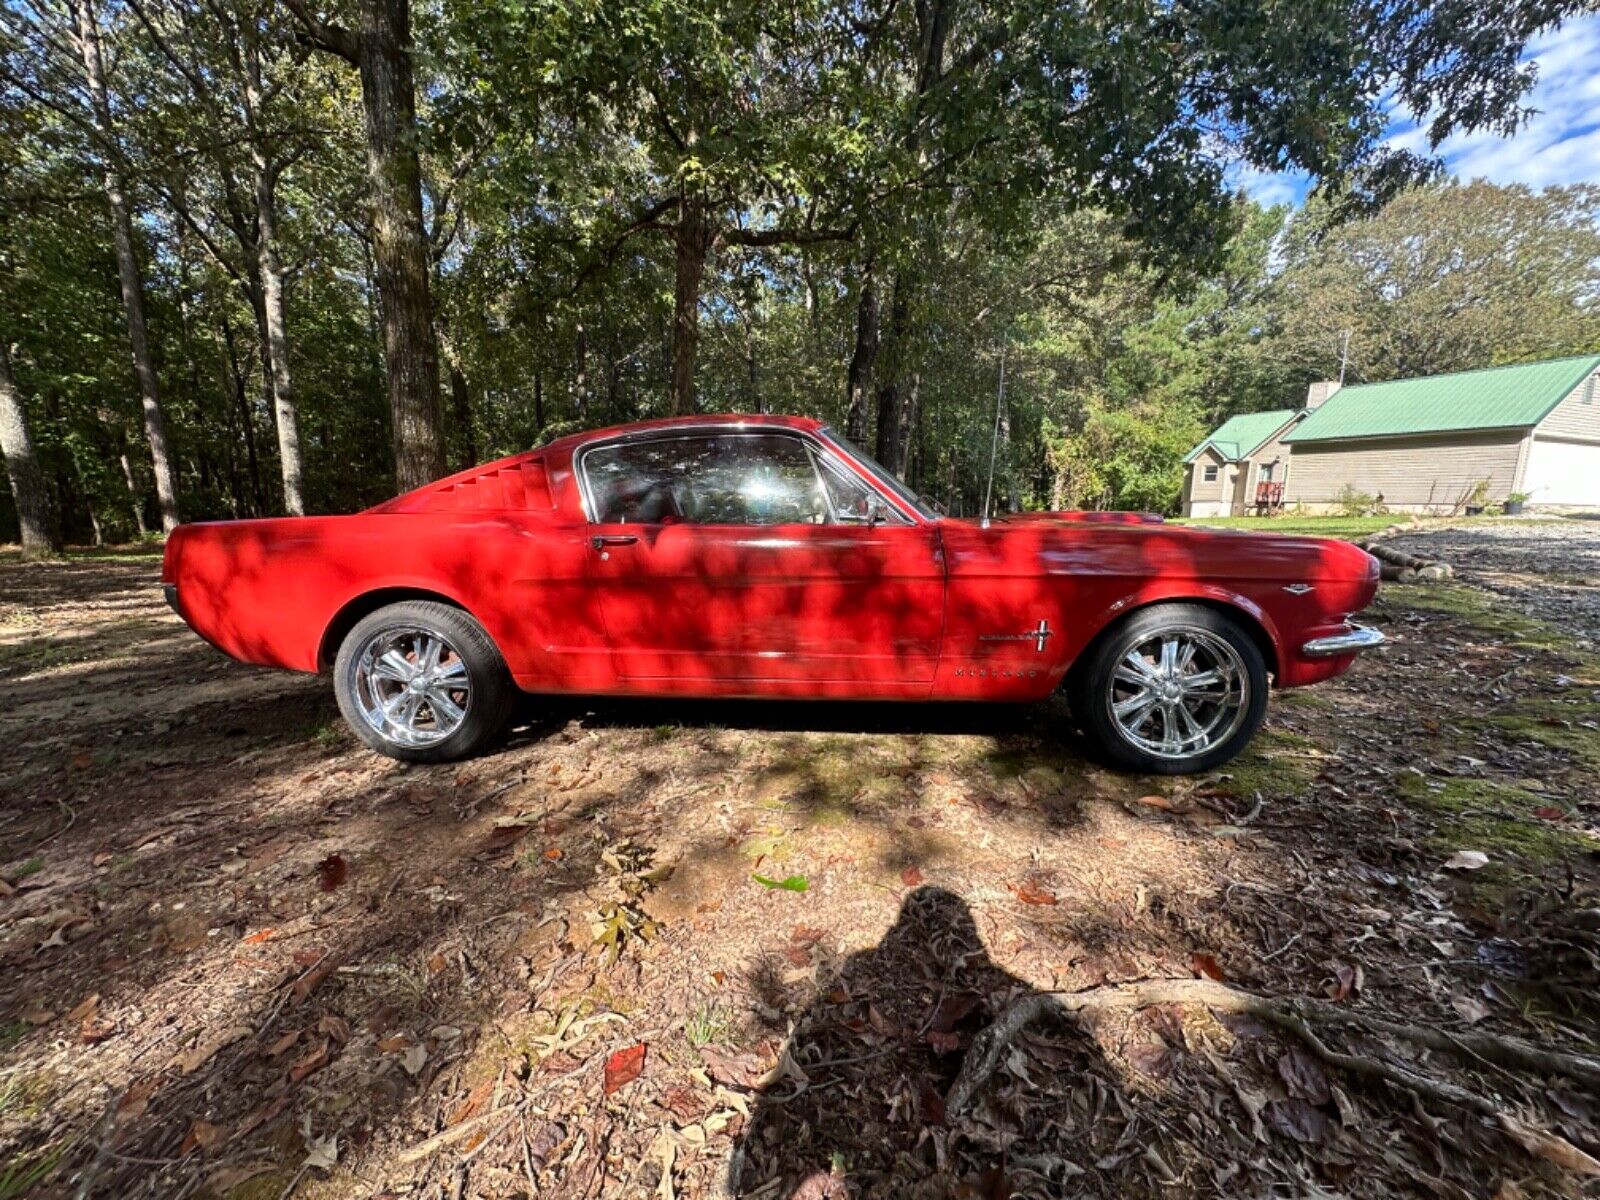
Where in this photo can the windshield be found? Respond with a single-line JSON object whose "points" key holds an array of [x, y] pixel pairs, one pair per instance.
{"points": [[912, 500]]}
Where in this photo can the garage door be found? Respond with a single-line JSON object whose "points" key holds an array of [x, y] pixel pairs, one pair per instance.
{"points": [[1563, 473]]}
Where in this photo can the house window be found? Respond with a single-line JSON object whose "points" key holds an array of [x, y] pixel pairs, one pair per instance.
{"points": [[1590, 387], [1211, 474], [1266, 471]]}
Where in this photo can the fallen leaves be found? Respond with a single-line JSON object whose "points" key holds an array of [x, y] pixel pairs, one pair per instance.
{"points": [[1347, 981], [332, 872], [192, 1060], [911, 877], [794, 883], [314, 977], [623, 1067], [1030, 893], [1466, 860], [202, 1135], [1206, 966], [1304, 1077], [739, 1070]]}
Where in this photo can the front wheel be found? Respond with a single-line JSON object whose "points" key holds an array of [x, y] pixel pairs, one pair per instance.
{"points": [[1176, 689], [422, 682]]}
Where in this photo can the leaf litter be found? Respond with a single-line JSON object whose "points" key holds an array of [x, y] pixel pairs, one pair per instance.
{"points": [[454, 984]]}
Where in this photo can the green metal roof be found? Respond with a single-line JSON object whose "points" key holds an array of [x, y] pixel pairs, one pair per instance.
{"points": [[1236, 437], [1493, 398]]}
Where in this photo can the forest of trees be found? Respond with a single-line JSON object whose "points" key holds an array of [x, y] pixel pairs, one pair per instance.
{"points": [[285, 256]]}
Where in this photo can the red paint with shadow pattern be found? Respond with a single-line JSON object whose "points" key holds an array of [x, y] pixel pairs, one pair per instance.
{"points": [[827, 611]]}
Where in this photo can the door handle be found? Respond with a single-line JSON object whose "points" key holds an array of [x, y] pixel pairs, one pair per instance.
{"points": [[601, 541]]}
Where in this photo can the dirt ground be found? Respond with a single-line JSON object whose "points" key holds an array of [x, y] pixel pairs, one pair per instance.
{"points": [[693, 950]]}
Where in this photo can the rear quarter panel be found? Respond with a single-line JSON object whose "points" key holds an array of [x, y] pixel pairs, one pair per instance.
{"points": [[268, 591]]}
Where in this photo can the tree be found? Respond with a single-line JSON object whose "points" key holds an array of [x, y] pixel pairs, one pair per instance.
{"points": [[379, 47], [41, 537], [722, 120], [87, 31], [1443, 278]]}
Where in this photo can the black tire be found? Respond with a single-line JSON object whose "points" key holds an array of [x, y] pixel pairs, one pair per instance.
{"points": [[488, 698], [1093, 688]]}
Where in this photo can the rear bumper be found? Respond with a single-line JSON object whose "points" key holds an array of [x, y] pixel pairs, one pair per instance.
{"points": [[1354, 639], [170, 591]]}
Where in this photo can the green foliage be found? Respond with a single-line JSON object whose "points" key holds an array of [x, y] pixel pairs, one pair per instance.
{"points": [[1050, 184], [1355, 503]]}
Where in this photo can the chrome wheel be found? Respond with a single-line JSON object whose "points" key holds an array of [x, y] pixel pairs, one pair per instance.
{"points": [[410, 685], [1179, 692]]}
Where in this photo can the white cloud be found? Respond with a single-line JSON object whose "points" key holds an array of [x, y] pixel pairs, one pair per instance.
{"points": [[1560, 143]]}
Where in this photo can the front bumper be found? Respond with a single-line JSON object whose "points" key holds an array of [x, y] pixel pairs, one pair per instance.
{"points": [[1356, 638], [170, 590]]}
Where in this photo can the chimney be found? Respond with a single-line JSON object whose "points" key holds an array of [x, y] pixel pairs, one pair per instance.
{"points": [[1319, 394]]}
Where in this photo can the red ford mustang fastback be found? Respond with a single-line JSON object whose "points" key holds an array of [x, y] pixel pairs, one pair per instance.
{"points": [[765, 556]]}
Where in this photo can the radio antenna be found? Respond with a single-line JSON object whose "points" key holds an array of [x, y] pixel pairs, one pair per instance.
{"points": [[994, 440]]}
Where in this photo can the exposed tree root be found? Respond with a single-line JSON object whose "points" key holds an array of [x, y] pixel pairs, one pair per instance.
{"points": [[1296, 1016]]}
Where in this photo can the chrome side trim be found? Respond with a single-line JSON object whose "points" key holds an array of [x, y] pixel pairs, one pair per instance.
{"points": [[1358, 637]]}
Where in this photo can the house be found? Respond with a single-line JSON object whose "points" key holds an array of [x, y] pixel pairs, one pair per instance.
{"points": [[1433, 444], [1438, 443], [1225, 471]]}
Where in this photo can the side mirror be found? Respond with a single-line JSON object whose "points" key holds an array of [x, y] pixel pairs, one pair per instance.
{"points": [[876, 510]]}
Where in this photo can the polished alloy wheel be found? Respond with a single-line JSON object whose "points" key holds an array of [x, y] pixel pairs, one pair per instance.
{"points": [[411, 685], [1179, 692]]}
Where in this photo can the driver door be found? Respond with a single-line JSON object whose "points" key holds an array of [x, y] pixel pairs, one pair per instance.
{"points": [[735, 560]]}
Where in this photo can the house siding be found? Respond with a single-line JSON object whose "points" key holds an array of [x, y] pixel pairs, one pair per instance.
{"points": [[1425, 472], [1576, 418], [1213, 499]]}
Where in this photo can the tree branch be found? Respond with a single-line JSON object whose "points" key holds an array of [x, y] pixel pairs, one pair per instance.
{"points": [[324, 35], [989, 1049]]}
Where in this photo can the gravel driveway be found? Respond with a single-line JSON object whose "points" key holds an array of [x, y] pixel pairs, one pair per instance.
{"points": [[1550, 568]]}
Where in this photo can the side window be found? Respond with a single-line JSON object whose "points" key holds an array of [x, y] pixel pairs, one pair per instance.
{"points": [[851, 499], [716, 479]]}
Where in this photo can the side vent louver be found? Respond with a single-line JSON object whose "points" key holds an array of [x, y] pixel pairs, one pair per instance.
{"points": [[520, 485]]}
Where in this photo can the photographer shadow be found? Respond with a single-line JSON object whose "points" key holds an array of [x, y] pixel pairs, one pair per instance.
{"points": [[857, 1107]]}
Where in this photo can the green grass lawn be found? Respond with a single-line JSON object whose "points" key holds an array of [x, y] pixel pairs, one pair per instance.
{"points": [[1337, 527]]}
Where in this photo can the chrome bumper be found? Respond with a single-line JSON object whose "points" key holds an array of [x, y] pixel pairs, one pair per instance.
{"points": [[1356, 638]]}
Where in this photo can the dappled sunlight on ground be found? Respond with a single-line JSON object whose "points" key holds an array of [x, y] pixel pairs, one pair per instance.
{"points": [[242, 954]]}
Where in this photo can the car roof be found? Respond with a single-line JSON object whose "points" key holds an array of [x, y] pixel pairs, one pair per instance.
{"points": [[754, 420]]}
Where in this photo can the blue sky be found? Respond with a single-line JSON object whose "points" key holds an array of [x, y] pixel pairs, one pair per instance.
{"points": [[1559, 144]]}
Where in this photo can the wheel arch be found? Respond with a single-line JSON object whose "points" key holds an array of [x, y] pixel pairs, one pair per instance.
{"points": [[366, 604], [1250, 620]]}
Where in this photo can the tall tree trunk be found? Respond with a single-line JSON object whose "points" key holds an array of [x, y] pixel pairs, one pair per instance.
{"points": [[284, 413], [265, 171], [399, 240], [580, 386], [933, 19], [461, 409], [247, 423], [134, 496], [1003, 468], [155, 427], [538, 402], [863, 358], [692, 244], [892, 397], [41, 537]]}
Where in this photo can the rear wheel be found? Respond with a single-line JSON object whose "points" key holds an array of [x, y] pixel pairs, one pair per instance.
{"points": [[422, 682], [1177, 688]]}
